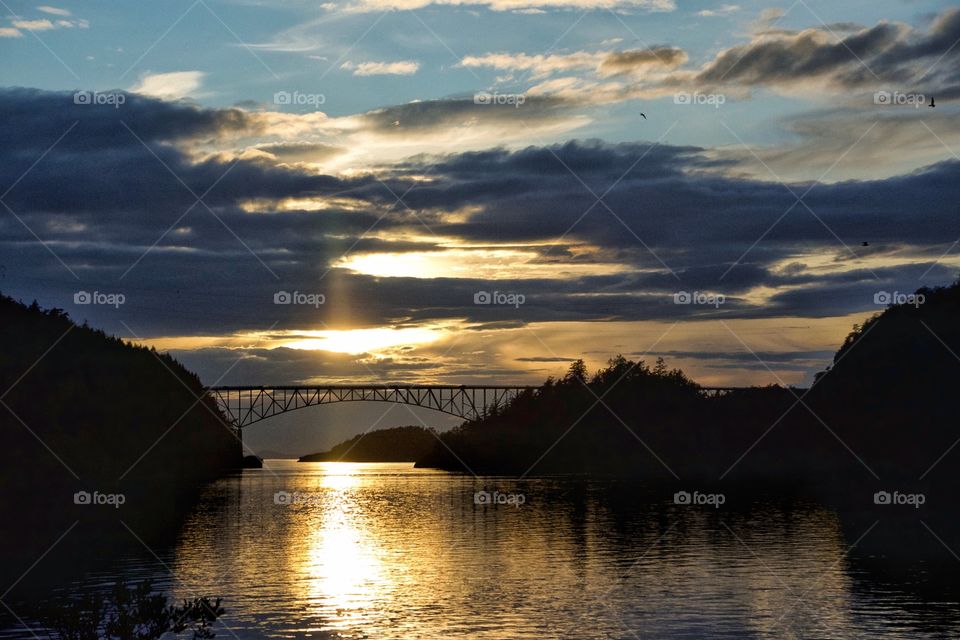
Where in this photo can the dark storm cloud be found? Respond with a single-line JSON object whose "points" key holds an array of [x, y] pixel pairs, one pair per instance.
{"points": [[667, 200], [102, 184], [864, 57], [100, 200], [33, 119], [112, 160], [798, 56]]}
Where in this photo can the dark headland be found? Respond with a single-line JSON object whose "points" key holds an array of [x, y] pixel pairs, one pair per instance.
{"points": [[886, 408], [86, 412]]}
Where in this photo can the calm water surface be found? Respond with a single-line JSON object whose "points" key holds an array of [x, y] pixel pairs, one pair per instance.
{"points": [[389, 551]]}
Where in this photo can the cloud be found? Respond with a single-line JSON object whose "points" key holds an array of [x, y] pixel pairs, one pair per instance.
{"points": [[399, 68], [102, 201], [169, 86], [538, 64], [722, 10], [844, 143], [54, 11], [383, 136], [34, 25], [8, 32], [887, 53], [301, 151], [442, 126], [602, 62], [844, 60], [70, 24], [631, 61], [43, 24]]}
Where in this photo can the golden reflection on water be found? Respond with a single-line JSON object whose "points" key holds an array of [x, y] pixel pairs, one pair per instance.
{"points": [[342, 570], [387, 551]]}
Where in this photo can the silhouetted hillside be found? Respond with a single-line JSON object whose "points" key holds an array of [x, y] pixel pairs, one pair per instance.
{"points": [[87, 412], [608, 422], [891, 393], [886, 408], [400, 444]]}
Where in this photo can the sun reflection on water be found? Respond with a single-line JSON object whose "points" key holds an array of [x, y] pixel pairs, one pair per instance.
{"points": [[342, 571], [388, 551]]}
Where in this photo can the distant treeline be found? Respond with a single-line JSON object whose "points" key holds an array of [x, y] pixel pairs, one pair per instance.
{"points": [[399, 444], [88, 412], [887, 407]]}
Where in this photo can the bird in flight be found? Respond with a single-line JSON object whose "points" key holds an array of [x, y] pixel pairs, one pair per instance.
{"points": [[644, 116]]}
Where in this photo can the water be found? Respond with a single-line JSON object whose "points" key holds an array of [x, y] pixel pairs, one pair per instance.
{"points": [[388, 551]]}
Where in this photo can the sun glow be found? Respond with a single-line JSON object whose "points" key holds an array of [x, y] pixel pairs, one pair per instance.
{"points": [[286, 205], [346, 341], [354, 341], [486, 263]]}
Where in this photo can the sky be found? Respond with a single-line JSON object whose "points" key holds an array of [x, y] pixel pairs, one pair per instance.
{"points": [[453, 191]]}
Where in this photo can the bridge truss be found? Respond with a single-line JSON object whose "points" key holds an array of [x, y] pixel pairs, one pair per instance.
{"points": [[249, 404]]}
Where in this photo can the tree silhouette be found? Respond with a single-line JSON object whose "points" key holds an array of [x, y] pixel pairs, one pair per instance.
{"points": [[577, 372], [134, 613]]}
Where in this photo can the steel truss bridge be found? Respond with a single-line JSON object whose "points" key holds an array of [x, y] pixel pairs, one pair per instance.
{"points": [[245, 405]]}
